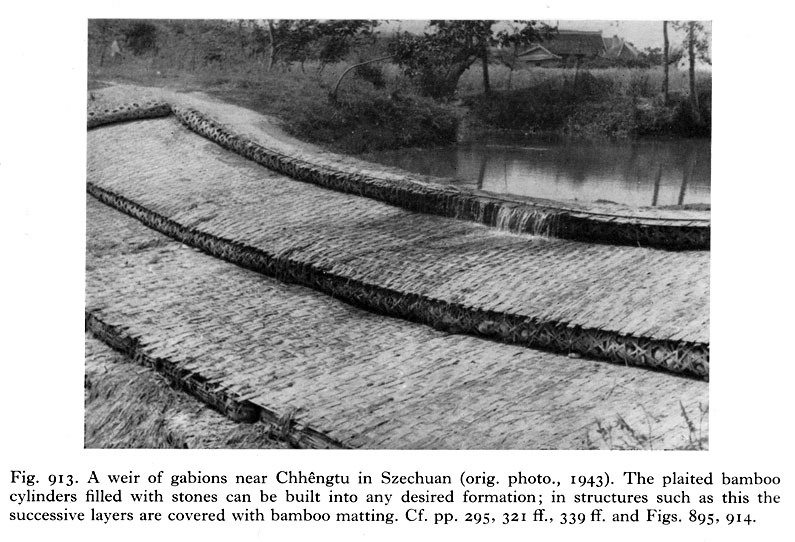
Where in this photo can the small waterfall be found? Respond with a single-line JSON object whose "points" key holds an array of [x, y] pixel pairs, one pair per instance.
{"points": [[460, 211], [504, 218], [481, 215], [538, 222], [525, 219]]}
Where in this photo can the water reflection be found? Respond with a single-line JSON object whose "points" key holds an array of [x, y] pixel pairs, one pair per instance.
{"points": [[639, 173]]}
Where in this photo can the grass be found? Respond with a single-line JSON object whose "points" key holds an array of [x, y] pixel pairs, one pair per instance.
{"points": [[379, 109], [624, 79], [620, 435], [600, 103], [364, 118], [129, 406]]}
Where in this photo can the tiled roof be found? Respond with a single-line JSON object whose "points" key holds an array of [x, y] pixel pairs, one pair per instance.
{"points": [[575, 43]]}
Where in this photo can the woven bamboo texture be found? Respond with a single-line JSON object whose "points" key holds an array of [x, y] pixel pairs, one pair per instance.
{"points": [[455, 202], [130, 407], [100, 116], [322, 372], [682, 230], [631, 305]]}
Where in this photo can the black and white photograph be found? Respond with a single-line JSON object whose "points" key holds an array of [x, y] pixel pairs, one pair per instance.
{"points": [[404, 271], [450, 234]]}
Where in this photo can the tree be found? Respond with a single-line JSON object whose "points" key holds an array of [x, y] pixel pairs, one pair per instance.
{"points": [[310, 39], [289, 40], [376, 80], [274, 44], [666, 46], [141, 37], [512, 40], [440, 57], [696, 42], [101, 33], [509, 57], [336, 38]]}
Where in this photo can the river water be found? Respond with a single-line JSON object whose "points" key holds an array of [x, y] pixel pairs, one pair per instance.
{"points": [[638, 173]]}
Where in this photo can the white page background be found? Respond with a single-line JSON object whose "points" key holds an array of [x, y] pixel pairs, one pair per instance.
{"points": [[42, 168]]}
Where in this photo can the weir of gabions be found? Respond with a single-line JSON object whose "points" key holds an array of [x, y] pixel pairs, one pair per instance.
{"points": [[388, 312]]}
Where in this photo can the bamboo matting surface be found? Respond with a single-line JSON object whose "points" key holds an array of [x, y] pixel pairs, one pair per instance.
{"points": [[127, 406], [259, 139], [355, 378], [631, 292]]}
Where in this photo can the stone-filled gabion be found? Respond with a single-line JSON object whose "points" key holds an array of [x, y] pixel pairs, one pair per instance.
{"points": [[239, 411], [557, 336], [534, 218], [450, 201], [127, 112]]}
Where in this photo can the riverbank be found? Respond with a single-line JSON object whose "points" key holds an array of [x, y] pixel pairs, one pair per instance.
{"points": [[363, 119], [594, 105], [367, 117], [219, 296], [257, 138], [332, 171]]}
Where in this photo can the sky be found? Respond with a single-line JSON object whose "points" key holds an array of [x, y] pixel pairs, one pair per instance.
{"points": [[641, 33]]}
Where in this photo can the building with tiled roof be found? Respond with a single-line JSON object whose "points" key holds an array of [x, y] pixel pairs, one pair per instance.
{"points": [[575, 43]]}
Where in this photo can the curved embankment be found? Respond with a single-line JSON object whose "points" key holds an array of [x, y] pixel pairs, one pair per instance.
{"points": [[313, 371], [672, 355], [128, 112], [672, 231], [635, 306], [126, 407], [194, 383]]}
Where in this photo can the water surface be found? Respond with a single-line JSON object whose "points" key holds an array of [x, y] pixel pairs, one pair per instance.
{"points": [[639, 173]]}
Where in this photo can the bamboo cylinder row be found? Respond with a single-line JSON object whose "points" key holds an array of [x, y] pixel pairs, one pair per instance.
{"points": [[194, 384], [127, 112], [558, 336], [431, 198]]}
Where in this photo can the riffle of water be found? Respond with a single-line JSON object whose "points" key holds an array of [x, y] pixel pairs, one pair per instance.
{"points": [[533, 221], [638, 173]]}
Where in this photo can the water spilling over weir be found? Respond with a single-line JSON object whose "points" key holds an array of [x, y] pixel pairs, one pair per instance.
{"points": [[576, 299]]}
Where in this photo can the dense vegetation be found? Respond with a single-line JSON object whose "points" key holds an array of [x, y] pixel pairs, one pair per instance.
{"points": [[290, 69], [598, 103]]}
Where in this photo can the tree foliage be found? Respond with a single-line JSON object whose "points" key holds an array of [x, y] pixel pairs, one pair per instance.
{"points": [[289, 40], [653, 56], [697, 42], [695, 34], [438, 58], [141, 37], [301, 40], [337, 38]]}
